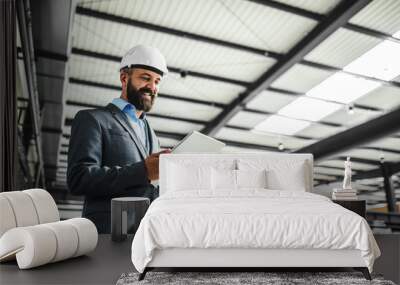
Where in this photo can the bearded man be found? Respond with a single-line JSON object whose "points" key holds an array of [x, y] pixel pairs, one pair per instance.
{"points": [[113, 151]]}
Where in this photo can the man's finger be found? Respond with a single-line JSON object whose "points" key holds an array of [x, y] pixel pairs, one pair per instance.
{"points": [[161, 152]]}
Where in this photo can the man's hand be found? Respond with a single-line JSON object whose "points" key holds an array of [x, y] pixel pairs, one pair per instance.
{"points": [[151, 164]]}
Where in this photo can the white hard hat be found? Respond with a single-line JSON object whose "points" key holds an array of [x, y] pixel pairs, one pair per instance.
{"points": [[145, 57]]}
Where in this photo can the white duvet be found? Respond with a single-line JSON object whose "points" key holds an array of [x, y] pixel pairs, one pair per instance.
{"points": [[250, 219]]}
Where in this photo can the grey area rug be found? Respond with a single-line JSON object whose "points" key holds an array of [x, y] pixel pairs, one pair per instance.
{"points": [[229, 278]]}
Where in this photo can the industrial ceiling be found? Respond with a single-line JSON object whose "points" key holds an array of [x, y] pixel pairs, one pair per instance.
{"points": [[259, 75]]}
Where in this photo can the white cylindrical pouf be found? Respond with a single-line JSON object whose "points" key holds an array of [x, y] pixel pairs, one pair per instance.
{"points": [[87, 235], [45, 206], [7, 218], [34, 246], [23, 208], [67, 239]]}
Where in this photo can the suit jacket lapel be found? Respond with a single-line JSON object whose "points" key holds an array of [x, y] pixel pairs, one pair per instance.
{"points": [[123, 120]]}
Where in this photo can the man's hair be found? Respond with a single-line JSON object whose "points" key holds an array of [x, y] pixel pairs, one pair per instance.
{"points": [[128, 70]]}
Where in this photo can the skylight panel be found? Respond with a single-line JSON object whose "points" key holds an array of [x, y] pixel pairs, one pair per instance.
{"points": [[281, 125], [342, 88], [309, 109], [382, 62]]}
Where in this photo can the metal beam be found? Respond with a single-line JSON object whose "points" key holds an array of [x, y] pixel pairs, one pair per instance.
{"points": [[381, 149], [114, 58], [245, 109], [361, 134], [330, 167], [68, 121], [291, 9], [387, 183], [249, 129], [177, 136], [249, 145], [360, 160], [186, 120], [337, 18], [391, 169], [371, 32], [74, 80]]}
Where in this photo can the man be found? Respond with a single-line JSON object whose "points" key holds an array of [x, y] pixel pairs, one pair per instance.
{"points": [[113, 151]]}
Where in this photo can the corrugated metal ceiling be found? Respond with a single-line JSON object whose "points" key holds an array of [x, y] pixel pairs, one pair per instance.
{"points": [[102, 71], [341, 48], [321, 6], [301, 78], [240, 22], [184, 53], [343, 117], [385, 97], [251, 137], [381, 15], [270, 101], [235, 21]]}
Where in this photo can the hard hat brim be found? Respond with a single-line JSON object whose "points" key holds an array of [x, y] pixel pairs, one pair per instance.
{"points": [[151, 68]]}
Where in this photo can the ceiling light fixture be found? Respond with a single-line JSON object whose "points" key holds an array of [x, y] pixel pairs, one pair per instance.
{"points": [[350, 109]]}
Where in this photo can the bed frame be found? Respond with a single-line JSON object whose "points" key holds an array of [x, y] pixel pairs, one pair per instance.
{"points": [[242, 259]]}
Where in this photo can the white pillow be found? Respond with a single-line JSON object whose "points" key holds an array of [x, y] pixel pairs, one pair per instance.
{"points": [[223, 179], [228, 179], [184, 177], [281, 174], [288, 176], [251, 178]]}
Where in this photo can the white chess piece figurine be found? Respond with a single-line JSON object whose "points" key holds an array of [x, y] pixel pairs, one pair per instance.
{"points": [[347, 174]]}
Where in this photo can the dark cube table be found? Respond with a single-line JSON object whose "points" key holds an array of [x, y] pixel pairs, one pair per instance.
{"points": [[357, 206]]}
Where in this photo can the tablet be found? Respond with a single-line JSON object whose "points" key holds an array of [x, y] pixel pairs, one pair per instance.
{"points": [[196, 142]]}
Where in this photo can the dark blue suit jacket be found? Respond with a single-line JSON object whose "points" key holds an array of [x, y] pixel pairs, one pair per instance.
{"points": [[106, 160]]}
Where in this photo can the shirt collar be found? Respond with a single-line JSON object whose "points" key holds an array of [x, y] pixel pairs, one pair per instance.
{"points": [[124, 105]]}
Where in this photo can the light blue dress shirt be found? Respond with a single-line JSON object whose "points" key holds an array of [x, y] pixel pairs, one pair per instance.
{"points": [[137, 123]]}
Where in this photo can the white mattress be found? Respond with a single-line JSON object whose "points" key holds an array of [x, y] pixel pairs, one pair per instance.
{"points": [[250, 219]]}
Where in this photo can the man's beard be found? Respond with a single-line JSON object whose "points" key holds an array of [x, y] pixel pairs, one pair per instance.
{"points": [[137, 99]]}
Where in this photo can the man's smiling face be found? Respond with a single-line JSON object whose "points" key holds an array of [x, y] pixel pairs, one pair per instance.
{"points": [[142, 88]]}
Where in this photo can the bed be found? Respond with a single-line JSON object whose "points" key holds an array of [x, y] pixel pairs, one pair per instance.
{"points": [[246, 211]]}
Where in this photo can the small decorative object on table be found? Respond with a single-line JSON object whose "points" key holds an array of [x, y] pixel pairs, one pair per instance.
{"points": [[347, 193], [347, 196]]}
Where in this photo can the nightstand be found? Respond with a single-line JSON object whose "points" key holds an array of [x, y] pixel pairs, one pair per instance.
{"points": [[357, 206]]}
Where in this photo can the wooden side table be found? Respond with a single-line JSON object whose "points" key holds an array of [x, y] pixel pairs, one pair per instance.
{"points": [[357, 206]]}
